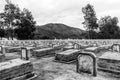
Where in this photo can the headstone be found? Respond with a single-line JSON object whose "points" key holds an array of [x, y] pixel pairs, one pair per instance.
{"points": [[116, 47], [3, 49], [76, 46], [86, 63], [24, 54]]}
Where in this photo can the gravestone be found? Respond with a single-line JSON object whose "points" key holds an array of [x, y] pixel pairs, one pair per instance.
{"points": [[76, 46], [25, 54], [3, 51], [2, 54], [86, 63], [115, 47]]}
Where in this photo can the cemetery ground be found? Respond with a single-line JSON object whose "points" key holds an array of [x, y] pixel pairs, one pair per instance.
{"points": [[47, 69]]}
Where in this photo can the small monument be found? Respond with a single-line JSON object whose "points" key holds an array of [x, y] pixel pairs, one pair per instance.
{"points": [[25, 54], [76, 46], [2, 54], [115, 47], [2, 48], [86, 63]]}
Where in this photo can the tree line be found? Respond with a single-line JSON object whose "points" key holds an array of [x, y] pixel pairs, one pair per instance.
{"points": [[104, 28], [16, 23], [20, 24]]}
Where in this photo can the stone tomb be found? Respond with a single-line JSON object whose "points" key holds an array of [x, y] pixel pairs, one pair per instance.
{"points": [[43, 52], [67, 56], [110, 60], [86, 63], [92, 49], [15, 68]]}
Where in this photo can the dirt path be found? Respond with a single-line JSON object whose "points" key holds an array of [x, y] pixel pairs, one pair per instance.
{"points": [[47, 69]]}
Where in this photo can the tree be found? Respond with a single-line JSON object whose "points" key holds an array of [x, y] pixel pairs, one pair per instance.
{"points": [[26, 25], [108, 28], [2, 31], [90, 19], [11, 13], [18, 23]]}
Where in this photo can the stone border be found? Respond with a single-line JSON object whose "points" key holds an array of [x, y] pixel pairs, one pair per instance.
{"points": [[93, 56]]}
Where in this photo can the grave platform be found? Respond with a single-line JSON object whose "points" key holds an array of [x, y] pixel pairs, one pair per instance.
{"points": [[13, 49], [43, 52], [92, 49], [15, 68], [67, 56], [109, 62]]}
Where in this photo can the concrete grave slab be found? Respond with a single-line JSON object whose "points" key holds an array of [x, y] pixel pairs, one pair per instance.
{"points": [[14, 68], [67, 56], [109, 62]]}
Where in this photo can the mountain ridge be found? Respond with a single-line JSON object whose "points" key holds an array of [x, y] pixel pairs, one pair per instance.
{"points": [[58, 31]]}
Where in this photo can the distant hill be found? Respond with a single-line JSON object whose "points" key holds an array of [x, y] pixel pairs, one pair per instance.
{"points": [[58, 31]]}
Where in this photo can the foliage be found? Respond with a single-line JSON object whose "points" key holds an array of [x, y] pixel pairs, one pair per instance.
{"points": [[26, 25], [10, 14], [108, 28], [2, 33], [18, 23], [90, 17]]}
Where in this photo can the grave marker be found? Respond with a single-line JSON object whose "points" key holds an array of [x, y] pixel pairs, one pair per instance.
{"points": [[76, 46], [25, 53], [86, 63], [2, 48], [115, 47]]}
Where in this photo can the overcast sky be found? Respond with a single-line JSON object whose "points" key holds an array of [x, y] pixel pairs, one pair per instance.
{"points": [[66, 11]]}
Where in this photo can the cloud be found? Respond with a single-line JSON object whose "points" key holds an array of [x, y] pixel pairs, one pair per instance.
{"points": [[66, 11]]}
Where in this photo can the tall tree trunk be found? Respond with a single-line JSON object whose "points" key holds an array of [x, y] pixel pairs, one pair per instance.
{"points": [[11, 31]]}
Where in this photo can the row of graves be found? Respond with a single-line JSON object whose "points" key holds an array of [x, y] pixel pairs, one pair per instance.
{"points": [[15, 68], [85, 57], [20, 67]]}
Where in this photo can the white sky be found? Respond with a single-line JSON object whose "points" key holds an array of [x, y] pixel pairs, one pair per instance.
{"points": [[66, 11]]}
